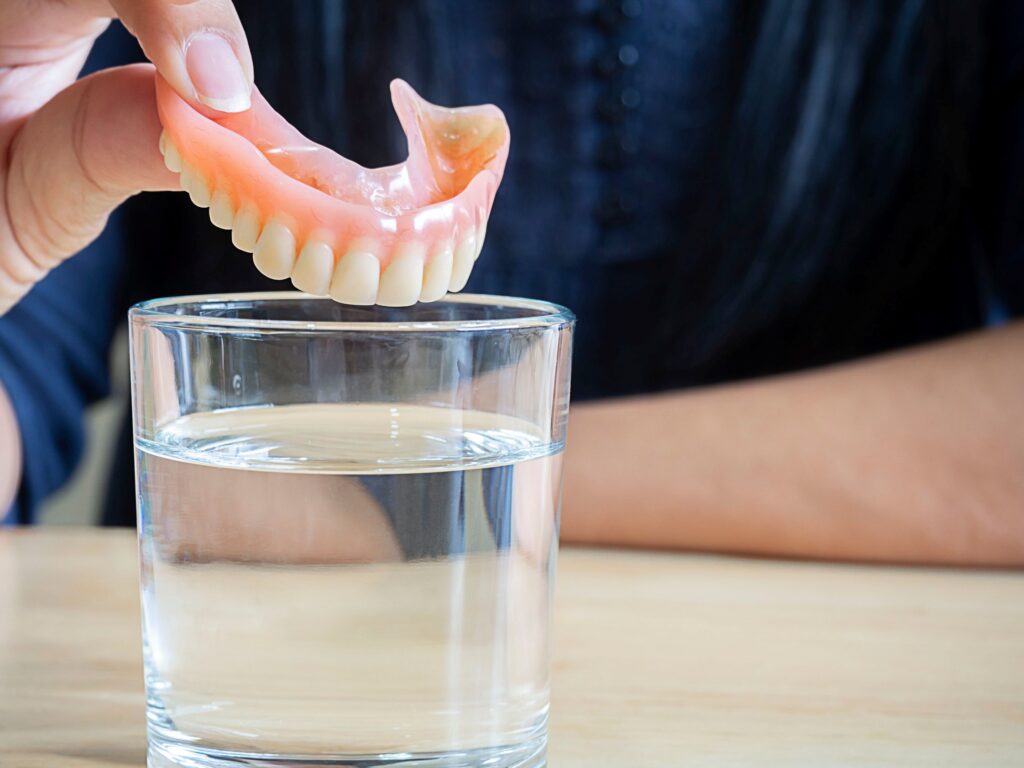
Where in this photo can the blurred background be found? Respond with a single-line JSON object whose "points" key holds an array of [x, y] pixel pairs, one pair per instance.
{"points": [[78, 502]]}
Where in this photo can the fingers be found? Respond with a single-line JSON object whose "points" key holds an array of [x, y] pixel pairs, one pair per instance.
{"points": [[198, 46], [77, 158]]}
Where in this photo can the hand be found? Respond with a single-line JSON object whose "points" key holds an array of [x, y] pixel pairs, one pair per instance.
{"points": [[71, 152]]}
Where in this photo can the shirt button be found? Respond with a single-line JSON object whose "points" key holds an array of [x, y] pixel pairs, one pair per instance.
{"points": [[628, 55]]}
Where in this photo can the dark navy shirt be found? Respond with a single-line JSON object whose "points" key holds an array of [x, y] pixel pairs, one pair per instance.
{"points": [[655, 186]]}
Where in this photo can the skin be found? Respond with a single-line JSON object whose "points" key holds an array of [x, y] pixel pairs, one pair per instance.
{"points": [[916, 456], [73, 151]]}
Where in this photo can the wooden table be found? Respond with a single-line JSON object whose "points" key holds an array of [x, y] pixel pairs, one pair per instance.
{"points": [[662, 660]]}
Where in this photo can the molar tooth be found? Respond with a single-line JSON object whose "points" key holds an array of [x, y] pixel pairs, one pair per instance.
{"points": [[357, 276], [245, 230], [465, 255], [171, 157], [222, 210], [401, 282], [438, 273], [198, 190], [313, 268], [274, 255]]}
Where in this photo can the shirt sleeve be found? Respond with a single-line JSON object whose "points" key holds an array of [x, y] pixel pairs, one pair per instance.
{"points": [[54, 347]]}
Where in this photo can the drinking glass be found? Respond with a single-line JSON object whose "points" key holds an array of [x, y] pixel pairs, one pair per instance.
{"points": [[348, 524]]}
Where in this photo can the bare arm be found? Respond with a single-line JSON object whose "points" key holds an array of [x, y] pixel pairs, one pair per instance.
{"points": [[10, 453], [916, 456]]}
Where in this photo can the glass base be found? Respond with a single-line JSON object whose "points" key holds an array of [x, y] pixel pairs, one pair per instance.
{"points": [[532, 754]]}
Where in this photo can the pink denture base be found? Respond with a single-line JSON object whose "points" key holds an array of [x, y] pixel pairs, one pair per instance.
{"points": [[222, 150]]}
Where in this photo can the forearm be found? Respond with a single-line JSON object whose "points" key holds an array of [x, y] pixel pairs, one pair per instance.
{"points": [[916, 456], [10, 453]]}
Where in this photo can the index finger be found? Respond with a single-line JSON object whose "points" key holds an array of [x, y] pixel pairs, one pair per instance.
{"points": [[198, 46]]}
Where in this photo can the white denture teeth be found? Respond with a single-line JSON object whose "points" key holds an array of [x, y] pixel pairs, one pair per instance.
{"points": [[357, 276], [274, 255], [222, 210], [402, 281], [196, 186], [313, 268], [162, 143], [437, 275], [199, 193], [245, 230], [465, 256], [171, 157]]}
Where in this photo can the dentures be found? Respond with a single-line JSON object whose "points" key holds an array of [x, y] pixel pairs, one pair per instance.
{"points": [[391, 236]]}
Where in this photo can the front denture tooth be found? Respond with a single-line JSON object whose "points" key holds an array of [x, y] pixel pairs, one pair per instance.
{"points": [[402, 281], [171, 158], [245, 230], [438, 273], [198, 190], [185, 179], [357, 275], [199, 193], [465, 255], [313, 268], [274, 254], [222, 210], [481, 233], [162, 144]]}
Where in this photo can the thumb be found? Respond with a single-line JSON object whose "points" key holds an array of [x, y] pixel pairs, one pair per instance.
{"points": [[82, 154], [198, 46]]}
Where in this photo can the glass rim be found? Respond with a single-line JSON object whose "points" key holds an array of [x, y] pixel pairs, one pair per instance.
{"points": [[156, 312]]}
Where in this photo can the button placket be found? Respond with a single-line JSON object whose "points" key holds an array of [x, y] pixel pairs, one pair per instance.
{"points": [[617, 107]]}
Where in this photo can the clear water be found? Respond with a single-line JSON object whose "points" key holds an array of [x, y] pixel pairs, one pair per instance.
{"points": [[342, 584]]}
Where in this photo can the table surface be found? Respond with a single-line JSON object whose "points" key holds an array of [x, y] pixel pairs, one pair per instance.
{"points": [[661, 660]]}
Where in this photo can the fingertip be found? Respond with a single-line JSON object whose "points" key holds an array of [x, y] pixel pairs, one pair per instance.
{"points": [[217, 73], [199, 48]]}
